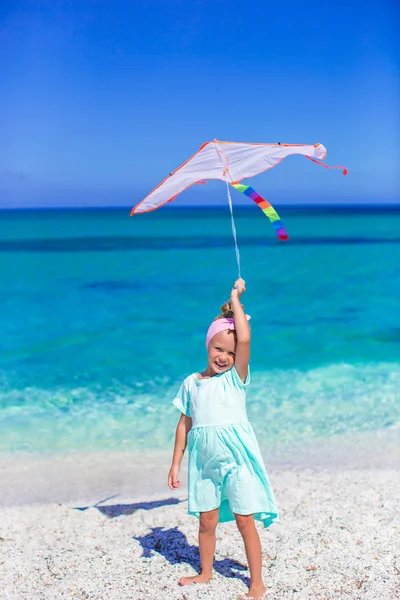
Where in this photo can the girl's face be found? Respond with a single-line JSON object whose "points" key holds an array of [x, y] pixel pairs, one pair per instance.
{"points": [[221, 352]]}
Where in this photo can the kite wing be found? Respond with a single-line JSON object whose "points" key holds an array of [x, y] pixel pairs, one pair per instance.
{"points": [[229, 161]]}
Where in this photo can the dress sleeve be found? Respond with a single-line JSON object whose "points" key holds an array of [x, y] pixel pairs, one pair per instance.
{"points": [[237, 382], [182, 399]]}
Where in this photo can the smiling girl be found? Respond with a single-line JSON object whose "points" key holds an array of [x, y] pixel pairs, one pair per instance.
{"points": [[227, 476]]}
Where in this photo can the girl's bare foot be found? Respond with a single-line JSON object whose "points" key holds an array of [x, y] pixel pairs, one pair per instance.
{"points": [[256, 593], [196, 579]]}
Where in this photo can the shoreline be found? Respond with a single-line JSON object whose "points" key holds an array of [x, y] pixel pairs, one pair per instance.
{"points": [[86, 478]]}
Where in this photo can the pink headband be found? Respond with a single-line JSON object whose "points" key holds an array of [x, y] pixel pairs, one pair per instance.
{"points": [[221, 325]]}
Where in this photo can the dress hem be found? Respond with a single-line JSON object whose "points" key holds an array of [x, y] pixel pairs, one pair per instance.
{"points": [[268, 520]]}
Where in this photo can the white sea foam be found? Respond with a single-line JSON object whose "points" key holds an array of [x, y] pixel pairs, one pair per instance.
{"points": [[326, 400], [283, 405]]}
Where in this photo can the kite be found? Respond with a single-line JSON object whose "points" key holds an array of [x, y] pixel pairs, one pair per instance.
{"points": [[231, 162]]}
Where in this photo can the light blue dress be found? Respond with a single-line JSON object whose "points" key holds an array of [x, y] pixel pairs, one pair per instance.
{"points": [[226, 469]]}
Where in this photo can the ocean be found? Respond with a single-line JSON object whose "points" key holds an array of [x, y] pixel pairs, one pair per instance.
{"points": [[104, 315]]}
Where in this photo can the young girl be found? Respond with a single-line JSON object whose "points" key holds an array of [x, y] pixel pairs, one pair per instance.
{"points": [[227, 476]]}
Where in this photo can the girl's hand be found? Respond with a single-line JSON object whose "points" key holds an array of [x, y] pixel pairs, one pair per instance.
{"points": [[238, 289], [173, 481]]}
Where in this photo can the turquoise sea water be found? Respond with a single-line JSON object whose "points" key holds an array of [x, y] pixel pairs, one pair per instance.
{"points": [[103, 316]]}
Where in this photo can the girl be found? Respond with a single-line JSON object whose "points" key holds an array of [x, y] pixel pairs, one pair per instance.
{"points": [[227, 477]]}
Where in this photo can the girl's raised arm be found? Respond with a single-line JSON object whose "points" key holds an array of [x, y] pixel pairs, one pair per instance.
{"points": [[242, 331]]}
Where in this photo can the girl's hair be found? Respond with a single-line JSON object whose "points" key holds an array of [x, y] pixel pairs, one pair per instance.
{"points": [[226, 311]]}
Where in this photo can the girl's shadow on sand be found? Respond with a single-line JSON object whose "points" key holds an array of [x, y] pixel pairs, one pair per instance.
{"points": [[116, 510], [173, 545], [170, 543]]}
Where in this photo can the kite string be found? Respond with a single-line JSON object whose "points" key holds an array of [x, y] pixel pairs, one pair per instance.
{"points": [[228, 191], [223, 157]]}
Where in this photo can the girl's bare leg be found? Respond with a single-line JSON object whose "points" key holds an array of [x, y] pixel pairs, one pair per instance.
{"points": [[252, 546], [208, 525]]}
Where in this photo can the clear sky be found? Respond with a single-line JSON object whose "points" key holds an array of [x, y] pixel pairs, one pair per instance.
{"points": [[100, 100]]}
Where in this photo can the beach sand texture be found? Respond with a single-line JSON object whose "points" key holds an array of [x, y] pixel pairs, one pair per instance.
{"points": [[338, 537]]}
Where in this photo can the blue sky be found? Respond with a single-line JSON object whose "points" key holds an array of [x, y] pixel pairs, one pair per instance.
{"points": [[100, 100]]}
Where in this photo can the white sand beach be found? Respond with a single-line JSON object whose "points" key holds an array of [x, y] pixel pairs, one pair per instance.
{"points": [[107, 526]]}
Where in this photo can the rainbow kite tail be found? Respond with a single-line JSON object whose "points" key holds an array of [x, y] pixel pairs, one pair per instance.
{"points": [[266, 207]]}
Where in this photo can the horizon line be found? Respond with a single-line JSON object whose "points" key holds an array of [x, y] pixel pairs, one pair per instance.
{"points": [[310, 206]]}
